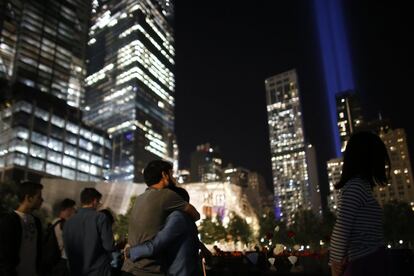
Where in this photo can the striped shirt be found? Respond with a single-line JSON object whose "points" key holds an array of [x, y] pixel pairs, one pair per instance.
{"points": [[358, 230]]}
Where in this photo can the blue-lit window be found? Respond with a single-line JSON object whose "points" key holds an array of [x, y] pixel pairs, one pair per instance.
{"points": [[21, 133], [84, 155], [39, 139], [55, 144], [20, 146], [72, 128], [96, 160], [53, 169], [58, 121], [71, 139], [94, 170], [54, 157], [16, 159], [83, 177], [83, 166], [42, 114], [86, 134], [68, 173], [36, 164], [37, 151], [23, 106], [69, 150], [69, 161]]}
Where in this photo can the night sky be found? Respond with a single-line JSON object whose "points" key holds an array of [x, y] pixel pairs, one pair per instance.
{"points": [[226, 49]]}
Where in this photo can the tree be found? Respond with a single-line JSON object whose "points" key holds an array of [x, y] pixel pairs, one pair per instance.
{"points": [[328, 222], [398, 222], [122, 221], [307, 228], [210, 231], [239, 229], [271, 229]]}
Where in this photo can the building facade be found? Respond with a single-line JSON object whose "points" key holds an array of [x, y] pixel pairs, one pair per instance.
{"points": [[334, 169], [401, 177], [349, 115], [42, 69], [42, 136], [292, 188], [42, 44], [130, 83], [206, 164]]}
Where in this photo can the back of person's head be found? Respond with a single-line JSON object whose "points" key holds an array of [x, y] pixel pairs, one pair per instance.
{"points": [[365, 156], [27, 188], [109, 215], [88, 195], [181, 192], [66, 204], [153, 171]]}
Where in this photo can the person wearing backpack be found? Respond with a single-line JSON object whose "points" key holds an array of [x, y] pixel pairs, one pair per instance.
{"points": [[54, 258]]}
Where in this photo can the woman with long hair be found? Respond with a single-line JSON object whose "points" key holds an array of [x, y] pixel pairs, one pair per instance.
{"points": [[357, 241]]}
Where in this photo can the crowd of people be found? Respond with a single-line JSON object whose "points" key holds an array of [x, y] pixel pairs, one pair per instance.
{"points": [[162, 235]]}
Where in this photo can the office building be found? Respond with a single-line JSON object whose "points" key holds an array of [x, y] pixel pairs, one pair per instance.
{"points": [[334, 169], [42, 136], [42, 68], [292, 187], [349, 115], [130, 83], [42, 44], [206, 164], [400, 186]]}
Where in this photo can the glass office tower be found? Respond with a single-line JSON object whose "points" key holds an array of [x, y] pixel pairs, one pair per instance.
{"points": [[292, 189], [42, 44], [130, 83], [42, 69], [42, 136]]}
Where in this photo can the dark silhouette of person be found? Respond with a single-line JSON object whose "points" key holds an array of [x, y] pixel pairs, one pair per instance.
{"points": [[357, 240]]}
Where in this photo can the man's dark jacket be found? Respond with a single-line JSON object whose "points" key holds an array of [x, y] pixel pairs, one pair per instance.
{"points": [[10, 241]]}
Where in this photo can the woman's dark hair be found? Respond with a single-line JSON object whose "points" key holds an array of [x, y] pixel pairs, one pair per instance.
{"points": [[109, 215], [181, 192], [153, 171], [365, 156]]}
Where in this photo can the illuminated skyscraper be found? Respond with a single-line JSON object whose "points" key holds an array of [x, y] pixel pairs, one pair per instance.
{"points": [[42, 68], [334, 168], [43, 45], [349, 115], [130, 83], [292, 188], [206, 164], [401, 179]]}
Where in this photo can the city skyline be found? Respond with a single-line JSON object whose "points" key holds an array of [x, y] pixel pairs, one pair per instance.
{"points": [[225, 54], [220, 68]]}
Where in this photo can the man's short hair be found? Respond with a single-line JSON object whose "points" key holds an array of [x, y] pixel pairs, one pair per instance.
{"points": [[27, 188], [153, 171], [88, 195], [66, 204]]}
